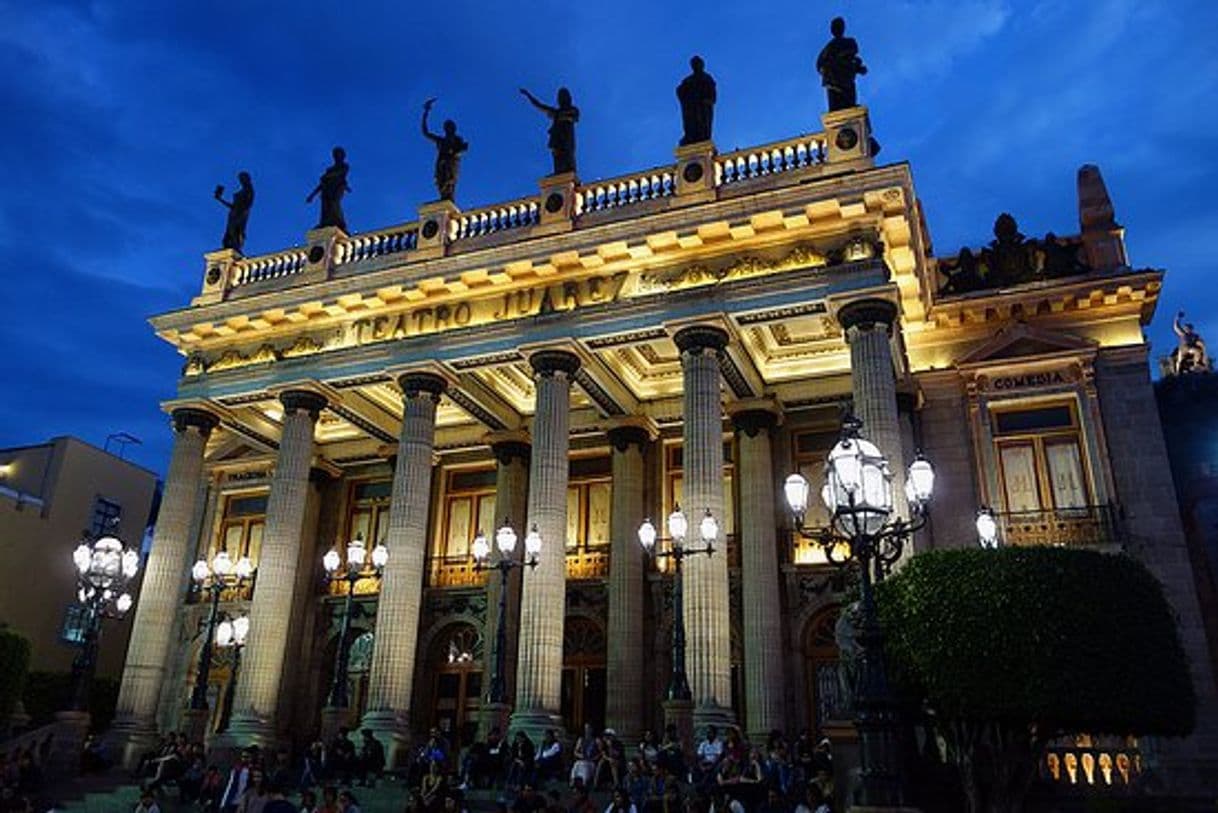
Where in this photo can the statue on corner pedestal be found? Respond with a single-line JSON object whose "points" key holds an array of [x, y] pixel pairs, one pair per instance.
{"points": [[238, 211], [448, 153], [562, 128], [838, 65], [332, 187], [1190, 355], [697, 96]]}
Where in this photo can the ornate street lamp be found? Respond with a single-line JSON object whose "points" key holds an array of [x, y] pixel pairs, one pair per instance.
{"points": [[215, 578], [505, 543], [231, 634], [987, 528], [357, 562], [104, 567], [858, 494], [678, 528]]}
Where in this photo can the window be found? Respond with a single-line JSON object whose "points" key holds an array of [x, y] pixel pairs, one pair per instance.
{"points": [[674, 495], [1040, 459], [469, 507], [589, 500], [369, 515], [75, 621], [242, 525], [106, 513], [811, 450]]}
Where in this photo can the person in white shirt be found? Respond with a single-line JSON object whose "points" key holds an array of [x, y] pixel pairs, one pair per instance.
{"points": [[549, 758], [709, 754]]}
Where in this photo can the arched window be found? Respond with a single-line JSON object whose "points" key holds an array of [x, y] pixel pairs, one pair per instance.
{"points": [[456, 664]]}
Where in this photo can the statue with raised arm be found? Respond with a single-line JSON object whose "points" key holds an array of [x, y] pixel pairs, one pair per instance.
{"points": [[697, 96], [449, 147], [838, 65], [1190, 355], [563, 117], [332, 187], [238, 211]]}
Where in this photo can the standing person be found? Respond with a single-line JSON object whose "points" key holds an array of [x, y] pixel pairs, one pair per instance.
{"points": [[521, 766], [431, 788], [672, 753], [342, 757], [611, 758], [649, 749], [709, 755], [637, 783], [371, 759], [314, 768], [587, 753], [549, 759], [256, 795], [237, 784]]}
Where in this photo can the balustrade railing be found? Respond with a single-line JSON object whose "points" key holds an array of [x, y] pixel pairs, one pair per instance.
{"points": [[502, 217], [454, 571], [1093, 767], [770, 159], [589, 563], [1068, 527], [269, 266], [625, 191], [373, 244]]}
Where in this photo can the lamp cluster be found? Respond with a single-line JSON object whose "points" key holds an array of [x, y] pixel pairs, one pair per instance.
{"points": [[104, 567]]}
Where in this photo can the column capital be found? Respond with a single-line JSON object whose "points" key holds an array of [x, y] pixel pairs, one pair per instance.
{"points": [[634, 430], [307, 400], [417, 383], [509, 445], [201, 419], [867, 313], [755, 415], [698, 339], [548, 362]]}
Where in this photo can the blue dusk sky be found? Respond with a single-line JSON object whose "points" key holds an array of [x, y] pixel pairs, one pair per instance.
{"points": [[123, 116]]}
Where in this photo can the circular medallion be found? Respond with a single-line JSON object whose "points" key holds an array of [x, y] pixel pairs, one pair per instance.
{"points": [[213, 275], [554, 202], [693, 172], [846, 139], [430, 228], [317, 254]]}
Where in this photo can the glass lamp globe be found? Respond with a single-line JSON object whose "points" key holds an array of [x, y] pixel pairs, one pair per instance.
{"points": [[331, 561], [244, 568], [107, 556], [532, 542], [131, 564], [356, 553], [920, 481], [678, 526], [82, 557], [987, 529], [123, 603], [380, 556], [200, 571], [796, 489], [222, 565], [709, 528], [241, 628], [505, 539], [647, 535], [224, 633], [481, 548]]}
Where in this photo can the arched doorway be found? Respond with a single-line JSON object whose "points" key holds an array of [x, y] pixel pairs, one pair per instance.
{"points": [[583, 673], [827, 704], [456, 669]]}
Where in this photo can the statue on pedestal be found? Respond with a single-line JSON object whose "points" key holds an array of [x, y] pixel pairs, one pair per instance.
{"points": [[838, 65], [238, 211], [697, 96], [1190, 355], [448, 153], [562, 128], [332, 187]]}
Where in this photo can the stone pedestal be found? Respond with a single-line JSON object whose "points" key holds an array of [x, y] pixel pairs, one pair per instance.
{"points": [[391, 681], [319, 256], [434, 219], [543, 592], [134, 730], [217, 273], [194, 723], [848, 136], [696, 172], [557, 203]]}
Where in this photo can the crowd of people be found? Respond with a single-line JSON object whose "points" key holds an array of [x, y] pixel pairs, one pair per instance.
{"points": [[20, 779]]}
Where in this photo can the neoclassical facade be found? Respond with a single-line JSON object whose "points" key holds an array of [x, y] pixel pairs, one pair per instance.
{"points": [[596, 354]]}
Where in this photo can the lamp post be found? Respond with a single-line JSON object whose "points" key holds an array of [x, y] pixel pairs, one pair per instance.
{"points": [[858, 494], [678, 527], [357, 559], [231, 634], [104, 567], [215, 578], [505, 542]]}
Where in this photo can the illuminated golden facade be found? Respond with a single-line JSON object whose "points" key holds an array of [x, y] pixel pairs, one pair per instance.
{"points": [[586, 357]]}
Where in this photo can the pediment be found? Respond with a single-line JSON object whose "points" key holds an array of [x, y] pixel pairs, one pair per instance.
{"points": [[1019, 340]]}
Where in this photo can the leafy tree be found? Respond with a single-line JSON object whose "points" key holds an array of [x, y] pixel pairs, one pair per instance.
{"points": [[1012, 648], [14, 661]]}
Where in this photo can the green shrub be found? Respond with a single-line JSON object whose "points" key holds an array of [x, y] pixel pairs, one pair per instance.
{"points": [[14, 661]]}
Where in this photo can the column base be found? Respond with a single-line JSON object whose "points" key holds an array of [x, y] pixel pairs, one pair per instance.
{"points": [[194, 723], [129, 739], [333, 718], [249, 732], [680, 714], [535, 723], [493, 715], [712, 714], [393, 731]]}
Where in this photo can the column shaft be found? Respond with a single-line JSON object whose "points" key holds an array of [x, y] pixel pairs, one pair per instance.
{"points": [[391, 680], [624, 675], [763, 660], [260, 682], [706, 589], [543, 593], [164, 584]]}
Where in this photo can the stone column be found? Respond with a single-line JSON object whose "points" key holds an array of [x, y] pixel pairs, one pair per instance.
{"points": [[164, 585], [763, 657], [868, 324], [543, 593], [707, 617], [391, 680], [261, 679], [624, 675], [512, 452]]}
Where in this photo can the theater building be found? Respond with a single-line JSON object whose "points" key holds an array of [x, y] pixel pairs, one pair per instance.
{"points": [[593, 355]]}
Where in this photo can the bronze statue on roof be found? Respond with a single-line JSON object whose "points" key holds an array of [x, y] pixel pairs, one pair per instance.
{"points": [[563, 117], [838, 65], [238, 211], [697, 96], [1190, 355], [449, 147], [332, 186]]}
